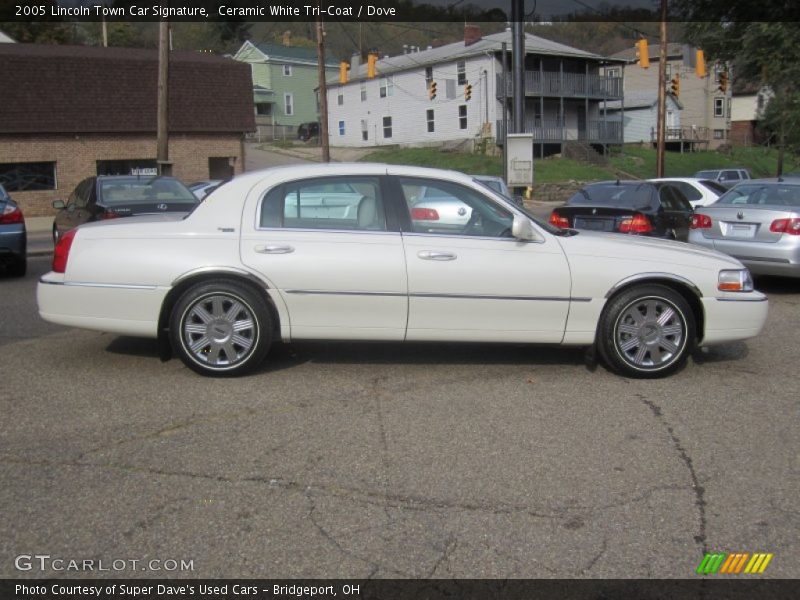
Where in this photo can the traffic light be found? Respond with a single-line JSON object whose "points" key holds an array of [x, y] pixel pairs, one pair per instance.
{"points": [[643, 53], [700, 64], [675, 85], [343, 71], [723, 81], [467, 92], [432, 90], [371, 70]]}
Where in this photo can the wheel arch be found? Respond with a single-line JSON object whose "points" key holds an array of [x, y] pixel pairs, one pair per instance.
{"points": [[686, 288], [184, 282]]}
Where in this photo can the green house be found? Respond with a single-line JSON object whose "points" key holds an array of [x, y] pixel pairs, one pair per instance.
{"points": [[285, 79]]}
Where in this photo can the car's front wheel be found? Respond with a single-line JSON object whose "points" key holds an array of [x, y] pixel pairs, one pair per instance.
{"points": [[647, 331], [221, 328]]}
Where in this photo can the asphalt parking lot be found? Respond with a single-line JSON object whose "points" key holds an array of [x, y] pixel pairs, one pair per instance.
{"points": [[365, 460]]}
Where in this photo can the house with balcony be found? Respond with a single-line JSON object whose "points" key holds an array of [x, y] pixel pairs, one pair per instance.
{"points": [[285, 78], [564, 96], [706, 112], [638, 113]]}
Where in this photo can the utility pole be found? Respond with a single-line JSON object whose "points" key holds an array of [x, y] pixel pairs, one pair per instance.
{"points": [[323, 90], [162, 125], [662, 93], [105, 33], [518, 64]]}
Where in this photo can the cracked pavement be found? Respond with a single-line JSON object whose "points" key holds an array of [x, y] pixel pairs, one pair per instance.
{"points": [[424, 461]]}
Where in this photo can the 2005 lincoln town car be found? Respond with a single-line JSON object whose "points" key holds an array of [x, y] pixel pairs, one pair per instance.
{"points": [[341, 252]]}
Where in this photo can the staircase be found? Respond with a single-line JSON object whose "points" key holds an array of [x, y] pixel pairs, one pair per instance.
{"points": [[583, 152]]}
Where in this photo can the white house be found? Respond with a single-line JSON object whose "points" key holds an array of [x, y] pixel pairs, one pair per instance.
{"points": [[563, 96], [747, 109], [639, 115]]}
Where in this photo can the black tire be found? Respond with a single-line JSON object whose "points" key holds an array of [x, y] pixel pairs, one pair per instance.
{"points": [[203, 328], [646, 331], [18, 267]]}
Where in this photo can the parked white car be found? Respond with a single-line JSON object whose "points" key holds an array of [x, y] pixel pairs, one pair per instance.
{"points": [[218, 286], [699, 192]]}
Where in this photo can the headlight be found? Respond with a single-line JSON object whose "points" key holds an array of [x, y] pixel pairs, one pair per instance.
{"points": [[738, 280]]}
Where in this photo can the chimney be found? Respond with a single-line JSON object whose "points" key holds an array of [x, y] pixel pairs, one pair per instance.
{"points": [[472, 34], [355, 63], [287, 38]]}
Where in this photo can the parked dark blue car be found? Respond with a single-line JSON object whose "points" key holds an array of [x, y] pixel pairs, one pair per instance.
{"points": [[13, 237]]}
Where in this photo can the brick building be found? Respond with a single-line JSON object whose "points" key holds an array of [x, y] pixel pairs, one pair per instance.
{"points": [[77, 111]]}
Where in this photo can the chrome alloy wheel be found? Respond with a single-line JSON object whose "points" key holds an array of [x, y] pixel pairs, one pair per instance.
{"points": [[650, 333], [219, 330]]}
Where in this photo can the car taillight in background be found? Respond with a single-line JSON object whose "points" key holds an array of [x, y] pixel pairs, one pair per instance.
{"points": [[424, 214], [11, 214], [558, 220], [109, 214], [638, 223], [790, 226], [61, 252], [700, 222]]}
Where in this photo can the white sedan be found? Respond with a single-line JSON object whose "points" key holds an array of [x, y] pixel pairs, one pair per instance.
{"points": [[699, 192], [218, 286]]}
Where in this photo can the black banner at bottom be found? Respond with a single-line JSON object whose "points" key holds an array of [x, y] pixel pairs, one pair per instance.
{"points": [[402, 589]]}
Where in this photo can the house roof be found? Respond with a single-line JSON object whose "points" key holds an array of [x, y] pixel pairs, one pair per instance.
{"points": [[289, 54], [457, 50], [629, 54], [83, 89], [641, 99]]}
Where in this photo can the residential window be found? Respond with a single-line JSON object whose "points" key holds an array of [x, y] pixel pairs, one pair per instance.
{"points": [[462, 72], [450, 89], [428, 77], [613, 72], [719, 134], [28, 177], [760, 100], [363, 91], [340, 97], [287, 70], [429, 114], [364, 130], [288, 105], [264, 109], [668, 75], [341, 127], [462, 116], [719, 107], [387, 87], [387, 127]]}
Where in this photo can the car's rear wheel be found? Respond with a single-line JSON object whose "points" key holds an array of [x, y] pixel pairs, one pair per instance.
{"points": [[647, 331], [221, 328]]}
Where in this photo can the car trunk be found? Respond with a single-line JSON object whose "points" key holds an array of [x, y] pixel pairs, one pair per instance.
{"points": [[597, 218], [148, 208], [742, 224]]}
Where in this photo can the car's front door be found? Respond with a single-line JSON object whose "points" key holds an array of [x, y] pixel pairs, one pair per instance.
{"points": [[478, 283], [334, 253]]}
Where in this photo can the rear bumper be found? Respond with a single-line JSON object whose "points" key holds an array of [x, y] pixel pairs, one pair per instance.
{"points": [[734, 318], [13, 242], [780, 258]]}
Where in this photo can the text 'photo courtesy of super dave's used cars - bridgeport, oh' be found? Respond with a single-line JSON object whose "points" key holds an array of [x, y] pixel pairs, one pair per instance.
{"points": [[343, 252]]}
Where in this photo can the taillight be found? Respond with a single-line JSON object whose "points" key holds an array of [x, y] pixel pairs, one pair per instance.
{"points": [[638, 223], [11, 214], [559, 220], [790, 226], [108, 214], [424, 214], [61, 252], [700, 222]]}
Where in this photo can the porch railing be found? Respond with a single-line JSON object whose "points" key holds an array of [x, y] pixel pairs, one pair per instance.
{"points": [[571, 85]]}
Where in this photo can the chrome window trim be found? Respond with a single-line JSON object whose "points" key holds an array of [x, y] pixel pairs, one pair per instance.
{"points": [[312, 230], [471, 237]]}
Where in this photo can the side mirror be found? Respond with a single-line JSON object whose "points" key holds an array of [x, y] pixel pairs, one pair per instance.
{"points": [[523, 229], [58, 204]]}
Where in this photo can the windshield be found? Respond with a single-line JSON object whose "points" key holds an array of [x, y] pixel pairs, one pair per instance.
{"points": [[134, 190], [774, 194], [614, 195]]}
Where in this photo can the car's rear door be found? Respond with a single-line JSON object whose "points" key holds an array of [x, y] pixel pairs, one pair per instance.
{"points": [[335, 257], [478, 283]]}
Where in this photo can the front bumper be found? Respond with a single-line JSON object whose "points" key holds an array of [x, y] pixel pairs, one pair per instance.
{"points": [[734, 317]]}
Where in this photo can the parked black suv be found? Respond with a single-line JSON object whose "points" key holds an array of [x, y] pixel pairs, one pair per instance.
{"points": [[307, 130]]}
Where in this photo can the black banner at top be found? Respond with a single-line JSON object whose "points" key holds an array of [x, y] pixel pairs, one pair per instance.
{"points": [[392, 10]]}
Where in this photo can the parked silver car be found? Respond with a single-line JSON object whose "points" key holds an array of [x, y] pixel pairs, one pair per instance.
{"points": [[727, 177], [757, 222]]}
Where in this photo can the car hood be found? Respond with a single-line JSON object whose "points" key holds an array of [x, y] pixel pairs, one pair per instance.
{"points": [[641, 248]]}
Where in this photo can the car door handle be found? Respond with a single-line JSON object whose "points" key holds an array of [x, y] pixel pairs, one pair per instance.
{"points": [[436, 255], [273, 249]]}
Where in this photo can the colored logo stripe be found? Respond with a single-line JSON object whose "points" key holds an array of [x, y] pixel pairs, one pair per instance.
{"points": [[734, 563]]}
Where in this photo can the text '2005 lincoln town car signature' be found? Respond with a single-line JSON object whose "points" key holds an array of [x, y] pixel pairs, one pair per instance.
{"points": [[342, 252]]}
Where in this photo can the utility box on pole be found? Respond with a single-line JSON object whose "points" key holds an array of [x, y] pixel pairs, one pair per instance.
{"points": [[519, 157]]}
